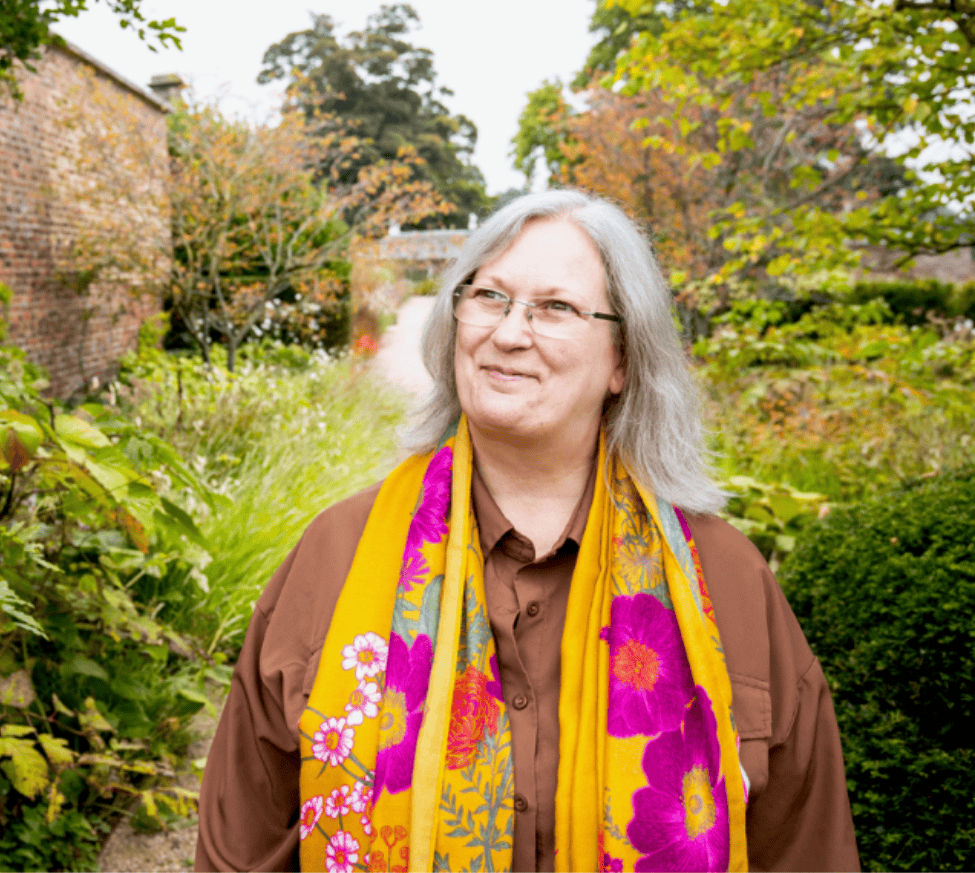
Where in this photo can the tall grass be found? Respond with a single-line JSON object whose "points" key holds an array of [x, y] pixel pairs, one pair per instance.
{"points": [[282, 441]]}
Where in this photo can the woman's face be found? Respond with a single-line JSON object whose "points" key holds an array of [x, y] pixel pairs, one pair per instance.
{"points": [[518, 387]]}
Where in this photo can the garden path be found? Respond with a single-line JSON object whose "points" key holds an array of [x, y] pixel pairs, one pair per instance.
{"points": [[398, 358]]}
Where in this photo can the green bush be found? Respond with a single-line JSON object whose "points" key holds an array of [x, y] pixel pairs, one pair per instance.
{"points": [[885, 592], [100, 580]]}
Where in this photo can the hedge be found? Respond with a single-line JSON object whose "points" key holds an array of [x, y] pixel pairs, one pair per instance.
{"points": [[885, 592]]}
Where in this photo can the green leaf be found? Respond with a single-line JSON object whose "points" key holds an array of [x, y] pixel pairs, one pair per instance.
{"points": [[79, 664], [72, 428], [186, 523], [92, 720]]}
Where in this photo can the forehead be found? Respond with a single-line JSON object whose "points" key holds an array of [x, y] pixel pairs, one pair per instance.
{"points": [[548, 254]]}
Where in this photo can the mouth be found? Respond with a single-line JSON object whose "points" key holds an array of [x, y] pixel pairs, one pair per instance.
{"points": [[505, 374]]}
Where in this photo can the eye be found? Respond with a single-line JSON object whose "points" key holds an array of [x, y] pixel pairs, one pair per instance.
{"points": [[558, 307], [487, 294]]}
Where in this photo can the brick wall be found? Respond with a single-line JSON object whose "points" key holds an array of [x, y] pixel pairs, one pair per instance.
{"points": [[76, 332]]}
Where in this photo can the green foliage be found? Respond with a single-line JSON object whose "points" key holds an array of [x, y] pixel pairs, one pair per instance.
{"points": [[886, 67], [884, 592], [25, 26], [803, 406], [100, 668], [283, 437], [541, 131], [383, 88], [912, 300], [771, 515]]}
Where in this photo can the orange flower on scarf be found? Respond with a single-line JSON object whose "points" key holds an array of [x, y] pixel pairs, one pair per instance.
{"points": [[473, 713]]}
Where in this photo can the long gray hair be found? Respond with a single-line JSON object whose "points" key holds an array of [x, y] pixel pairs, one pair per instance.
{"points": [[655, 424]]}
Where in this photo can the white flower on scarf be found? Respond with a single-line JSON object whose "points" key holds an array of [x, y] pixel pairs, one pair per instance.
{"points": [[332, 742], [366, 825], [342, 853], [366, 655], [361, 797], [363, 703], [337, 803]]}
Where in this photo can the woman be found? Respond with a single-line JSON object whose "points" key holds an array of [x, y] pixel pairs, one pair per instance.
{"points": [[533, 646]]}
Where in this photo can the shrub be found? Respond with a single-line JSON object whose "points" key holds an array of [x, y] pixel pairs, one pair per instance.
{"points": [[885, 592], [99, 666]]}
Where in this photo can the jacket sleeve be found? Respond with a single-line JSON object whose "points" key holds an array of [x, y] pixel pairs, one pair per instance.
{"points": [[249, 798], [801, 820]]}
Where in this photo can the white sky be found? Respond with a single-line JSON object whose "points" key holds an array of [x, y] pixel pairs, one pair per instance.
{"points": [[491, 54]]}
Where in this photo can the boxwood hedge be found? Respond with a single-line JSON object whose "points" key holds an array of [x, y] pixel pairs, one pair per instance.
{"points": [[885, 592]]}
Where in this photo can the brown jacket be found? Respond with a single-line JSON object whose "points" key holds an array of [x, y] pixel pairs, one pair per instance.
{"points": [[798, 811]]}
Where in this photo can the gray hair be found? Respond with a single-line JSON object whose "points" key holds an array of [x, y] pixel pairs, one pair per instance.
{"points": [[654, 424]]}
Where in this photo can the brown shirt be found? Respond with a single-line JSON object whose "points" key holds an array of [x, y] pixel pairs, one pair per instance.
{"points": [[798, 812]]}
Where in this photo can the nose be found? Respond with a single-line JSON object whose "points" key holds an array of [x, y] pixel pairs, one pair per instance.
{"points": [[515, 328]]}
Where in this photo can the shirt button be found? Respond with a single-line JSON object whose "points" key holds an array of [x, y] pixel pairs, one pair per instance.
{"points": [[519, 701], [533, 608], [520, 803]]}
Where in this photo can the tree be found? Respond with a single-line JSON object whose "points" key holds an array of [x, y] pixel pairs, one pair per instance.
{"points": [[382, 88], [250, 216], [25, 27], [667, 163], [900, 71]]}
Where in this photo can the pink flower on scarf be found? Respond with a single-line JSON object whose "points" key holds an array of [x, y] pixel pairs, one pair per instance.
{"points": [[361, 797], [311, 812], [363, 703], [407, 681], [429, 522], [649, 678], [680, 820]]}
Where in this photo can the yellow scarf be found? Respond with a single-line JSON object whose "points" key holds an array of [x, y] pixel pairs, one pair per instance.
{"points": [[405, 742]]}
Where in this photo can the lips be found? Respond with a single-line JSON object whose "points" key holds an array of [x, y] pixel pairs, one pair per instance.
{"points": [[506, 374]]}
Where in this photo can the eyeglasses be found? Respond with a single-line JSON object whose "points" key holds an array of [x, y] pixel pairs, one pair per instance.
{"points": [[552, 318]]}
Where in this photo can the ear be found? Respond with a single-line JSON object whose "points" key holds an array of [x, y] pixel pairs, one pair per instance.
{"points": [[618, 379]]}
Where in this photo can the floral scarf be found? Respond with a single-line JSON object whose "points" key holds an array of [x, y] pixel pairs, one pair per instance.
{"points": [[406, 744]]}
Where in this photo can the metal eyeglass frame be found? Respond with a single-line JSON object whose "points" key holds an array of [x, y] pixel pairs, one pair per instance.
{"points": [[528, 306]]}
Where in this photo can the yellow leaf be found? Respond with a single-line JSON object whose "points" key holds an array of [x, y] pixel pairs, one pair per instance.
{"points": [[56, 749], [23, 765]]}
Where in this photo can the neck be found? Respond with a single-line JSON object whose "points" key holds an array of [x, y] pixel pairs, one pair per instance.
{"points": [[536, 487]]}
